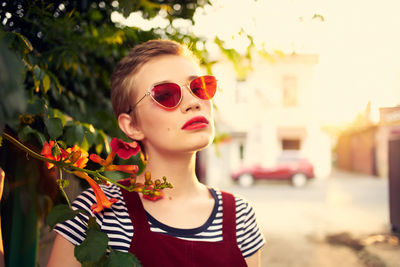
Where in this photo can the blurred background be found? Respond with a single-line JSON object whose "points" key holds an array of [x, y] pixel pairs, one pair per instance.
{"points": [[307, 113]]}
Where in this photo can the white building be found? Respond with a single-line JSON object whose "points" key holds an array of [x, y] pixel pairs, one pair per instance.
{"points": [[273, 110]]}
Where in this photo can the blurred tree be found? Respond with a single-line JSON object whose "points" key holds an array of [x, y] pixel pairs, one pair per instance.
{"points": [[56, 58]]}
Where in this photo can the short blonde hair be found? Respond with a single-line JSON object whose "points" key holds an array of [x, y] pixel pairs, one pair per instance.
{"points": [[122, 79]]}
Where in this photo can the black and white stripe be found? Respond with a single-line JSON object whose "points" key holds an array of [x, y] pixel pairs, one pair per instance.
{"points": [[117, 224]]}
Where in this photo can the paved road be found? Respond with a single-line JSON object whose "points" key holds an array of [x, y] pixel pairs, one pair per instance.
{"points": [[295, 221]]}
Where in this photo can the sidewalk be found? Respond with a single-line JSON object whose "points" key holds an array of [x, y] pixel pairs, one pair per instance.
{"points": [[389, 254], [311, 252], [340, 221]]}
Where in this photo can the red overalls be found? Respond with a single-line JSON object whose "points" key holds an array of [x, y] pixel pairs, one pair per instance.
{"points": [[156, 249]]}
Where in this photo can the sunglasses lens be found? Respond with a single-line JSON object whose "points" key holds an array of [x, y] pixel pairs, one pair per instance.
{"points": [[166, 94], [204, 87]]}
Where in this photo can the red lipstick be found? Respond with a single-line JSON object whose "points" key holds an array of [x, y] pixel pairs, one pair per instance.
{"points": [[194, 123]]}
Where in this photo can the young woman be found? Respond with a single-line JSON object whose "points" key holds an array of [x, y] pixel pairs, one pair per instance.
{"points": [[162, 100]]}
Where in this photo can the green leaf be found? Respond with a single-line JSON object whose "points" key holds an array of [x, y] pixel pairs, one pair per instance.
{"points": [[69, 123], [54, 127], [92, 223], [90, 133], [38, 72], [96, 15], [63, 183], [60, 213], [318, 16], [115, 176], [56, 81], [93, 247], [25, 40], [55, 150], [40, 137], [90, 137], [118, 258], [100, 263], [46, 83], [74, 134], [79, 133], [59, 114], [99, 148], [100, 139], [62, 144], [24, 134], [84, 145], [35, 106], [103, 137]]}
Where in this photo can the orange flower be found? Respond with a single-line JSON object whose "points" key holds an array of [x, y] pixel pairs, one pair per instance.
{"points": [[109, 159], [79, 157], [47, 151], [96, 158], [118, 147], [75, 155], [101, 198], [123, 168]]}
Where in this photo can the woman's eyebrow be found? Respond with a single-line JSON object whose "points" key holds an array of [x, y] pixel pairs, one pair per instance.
{"points": [[193, 77], [164, 81], [190, 78]]}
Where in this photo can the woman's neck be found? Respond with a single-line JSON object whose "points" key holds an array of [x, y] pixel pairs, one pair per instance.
{"points": [[179, 169]]}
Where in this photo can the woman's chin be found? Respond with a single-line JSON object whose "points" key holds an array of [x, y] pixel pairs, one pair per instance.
{"points": [[199, 144], [203, 144], [201, 147]]}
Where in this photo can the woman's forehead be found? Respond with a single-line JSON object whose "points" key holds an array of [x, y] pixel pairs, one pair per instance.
{"points": [[168, 65]]}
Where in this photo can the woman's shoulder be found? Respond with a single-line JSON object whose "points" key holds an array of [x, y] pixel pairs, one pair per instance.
{"points": [[249, 237], [239, 199], [87, 198], [113, 220], [242, 205], [111, 191]]}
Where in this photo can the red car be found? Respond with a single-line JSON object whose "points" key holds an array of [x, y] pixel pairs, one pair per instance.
{"points": [[290, 166]]}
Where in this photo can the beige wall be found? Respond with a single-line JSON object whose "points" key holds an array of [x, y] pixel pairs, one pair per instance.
{"points": [[256, 107]]}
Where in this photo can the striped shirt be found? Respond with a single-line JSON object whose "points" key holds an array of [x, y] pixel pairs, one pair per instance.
{"points": [[116, 223]]}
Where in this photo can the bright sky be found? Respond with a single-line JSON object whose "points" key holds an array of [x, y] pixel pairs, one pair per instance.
{"points": [[358, 43]]}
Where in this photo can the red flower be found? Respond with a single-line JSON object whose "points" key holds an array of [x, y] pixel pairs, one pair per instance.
{"points": [[101, 198], [79, 157], [154, 194], [124, 150], [47, 151]]}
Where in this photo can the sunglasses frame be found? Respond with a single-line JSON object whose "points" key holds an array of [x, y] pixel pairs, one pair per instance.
{"points": [[148, 93]]}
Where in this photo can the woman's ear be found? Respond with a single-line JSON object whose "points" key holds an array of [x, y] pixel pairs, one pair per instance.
{"points": [[129, 127]]}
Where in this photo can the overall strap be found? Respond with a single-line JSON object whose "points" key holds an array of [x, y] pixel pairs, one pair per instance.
{"points": [[136, 211], [228, 218]]}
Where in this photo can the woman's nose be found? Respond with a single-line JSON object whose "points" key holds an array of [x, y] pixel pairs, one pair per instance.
{"points": [[189, 101]]}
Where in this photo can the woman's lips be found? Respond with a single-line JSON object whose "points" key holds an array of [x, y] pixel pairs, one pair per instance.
{"points": [[195, 123]]}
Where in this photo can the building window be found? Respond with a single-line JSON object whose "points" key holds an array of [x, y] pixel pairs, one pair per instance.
{"points": [[241, 151], [289, 90], [291, 144]]}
